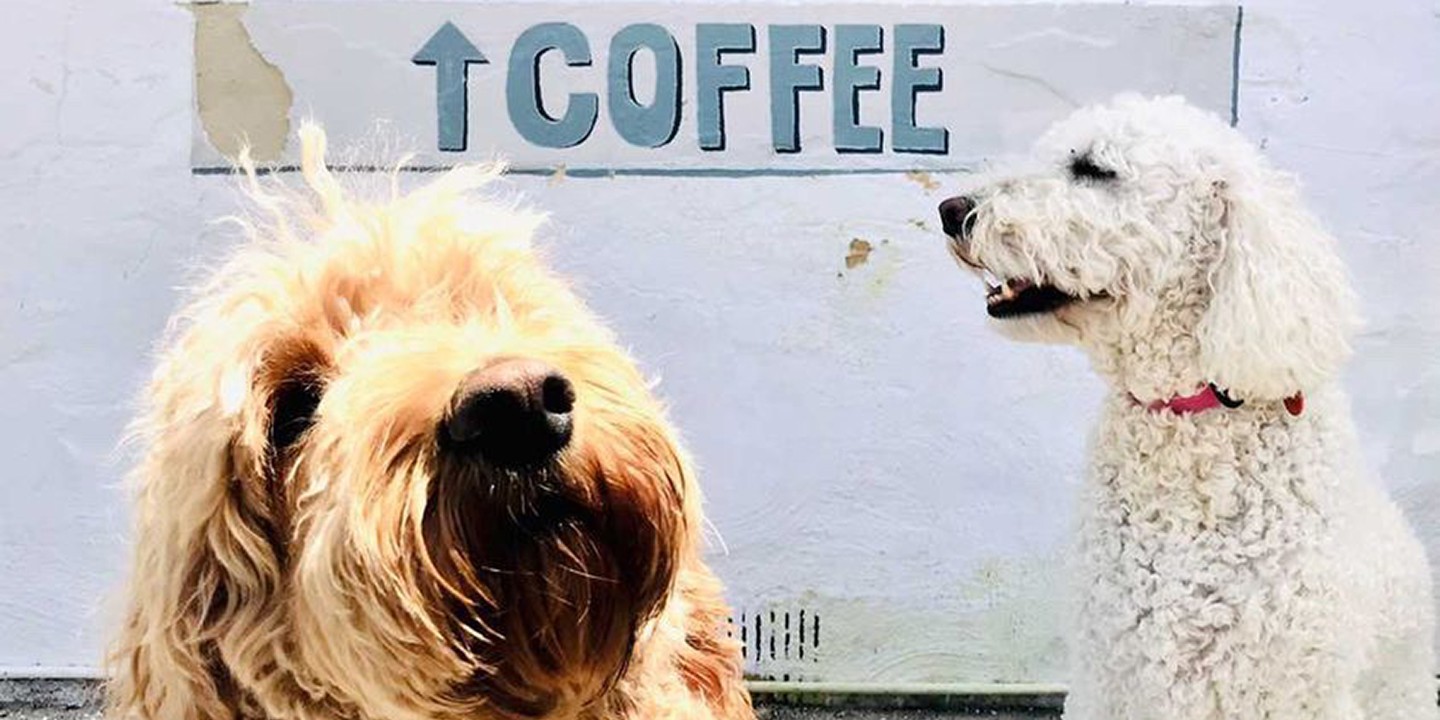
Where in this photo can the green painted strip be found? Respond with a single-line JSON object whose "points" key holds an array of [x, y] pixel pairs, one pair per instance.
{"points": [[1029, 699], [769, 687]]}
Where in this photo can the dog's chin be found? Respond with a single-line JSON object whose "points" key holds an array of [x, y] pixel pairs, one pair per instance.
{"points": [[1048, 328], [550, 571], [548, 601]]}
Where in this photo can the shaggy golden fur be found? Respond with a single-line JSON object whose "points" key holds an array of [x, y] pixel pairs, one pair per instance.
{"points": [[306, 547]]}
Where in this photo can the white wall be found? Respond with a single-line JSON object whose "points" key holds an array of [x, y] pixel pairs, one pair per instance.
{"points": [[870, 452]]}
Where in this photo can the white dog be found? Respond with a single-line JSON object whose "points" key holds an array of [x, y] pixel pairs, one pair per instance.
{"points": [[1235, 561]]}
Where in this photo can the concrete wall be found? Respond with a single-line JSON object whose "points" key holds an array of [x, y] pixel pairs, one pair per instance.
{"points": [[872, 455]]}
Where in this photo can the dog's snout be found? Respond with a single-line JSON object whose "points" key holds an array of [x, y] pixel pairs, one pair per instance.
{"points": [[512, 413], [957, 216]]}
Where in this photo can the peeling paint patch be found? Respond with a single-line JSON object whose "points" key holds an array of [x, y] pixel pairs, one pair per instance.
{"points": [[558, 176], [923, 179], [241, 97], [859, 253]]}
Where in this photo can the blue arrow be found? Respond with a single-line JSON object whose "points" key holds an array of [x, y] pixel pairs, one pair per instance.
{"points": [[451, 53]]}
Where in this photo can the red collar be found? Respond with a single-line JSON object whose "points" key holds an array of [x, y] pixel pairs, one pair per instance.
{"points": [[1210, 397]]}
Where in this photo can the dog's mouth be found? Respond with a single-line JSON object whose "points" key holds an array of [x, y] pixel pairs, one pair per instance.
{"points": [[1012, 297], [546, 513], [1017, 296]]}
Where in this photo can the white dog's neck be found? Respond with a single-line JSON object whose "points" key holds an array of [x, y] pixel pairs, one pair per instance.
{"points": [[1150, 460], [1154, 355]]}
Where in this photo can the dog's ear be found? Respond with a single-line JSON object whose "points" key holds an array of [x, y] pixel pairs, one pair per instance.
{"points": [[1281, 310], [206, 569]]}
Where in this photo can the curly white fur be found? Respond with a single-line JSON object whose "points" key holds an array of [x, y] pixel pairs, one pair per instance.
{"points": [[1236, 563]]}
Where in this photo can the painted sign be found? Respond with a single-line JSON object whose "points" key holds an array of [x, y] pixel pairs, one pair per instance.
{"points": [[876, 527], [690, 88]]}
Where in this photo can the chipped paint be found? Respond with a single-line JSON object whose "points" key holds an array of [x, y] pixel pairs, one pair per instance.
{"points": [[240, 97], [879, 270], [923, 179], [858, 253]]}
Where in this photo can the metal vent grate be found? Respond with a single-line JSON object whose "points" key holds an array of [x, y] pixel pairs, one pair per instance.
{"points": [[778, 644]]}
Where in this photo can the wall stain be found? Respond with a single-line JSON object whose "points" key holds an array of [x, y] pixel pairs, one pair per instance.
{"points": [[923, 179], [884, 273], [242, 98], [859, 253]]}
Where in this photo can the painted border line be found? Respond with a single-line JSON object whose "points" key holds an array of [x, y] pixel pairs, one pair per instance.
{"points": [[1235, 68], [601, 172]]}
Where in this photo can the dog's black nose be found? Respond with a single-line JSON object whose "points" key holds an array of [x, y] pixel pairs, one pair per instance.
{"points": [[957, 216], [512, 413]]}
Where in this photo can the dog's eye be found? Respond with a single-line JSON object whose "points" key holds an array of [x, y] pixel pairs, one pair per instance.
{"points": [[293, 410], [1083, 167]]}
